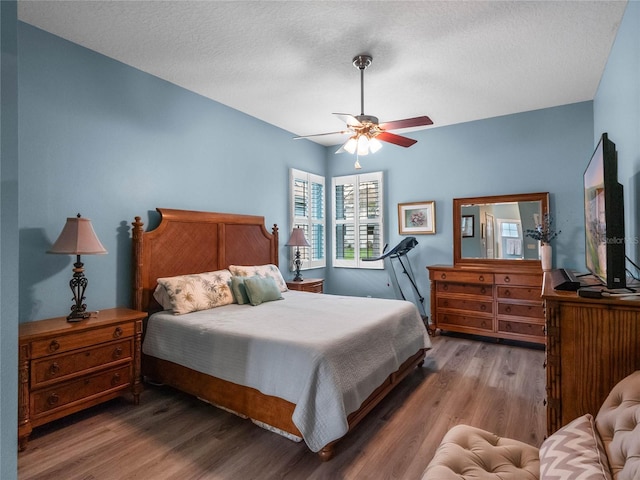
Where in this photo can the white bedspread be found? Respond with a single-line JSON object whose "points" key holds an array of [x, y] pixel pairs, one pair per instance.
{"points": [[324, 353]]}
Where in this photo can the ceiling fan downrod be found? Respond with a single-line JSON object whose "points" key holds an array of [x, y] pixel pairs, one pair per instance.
{"points": [[361, 62]]}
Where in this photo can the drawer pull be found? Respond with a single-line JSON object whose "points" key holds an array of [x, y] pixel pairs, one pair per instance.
{"points": [[507, 293], [483, 307], [443, 276], [117, 352], [53, 399], [116, 379], [483, 290], [445, 288], [508, 327], [508, 309], [481, 278], [54, 368], [507, 279], [54, 345], [117, 332], [483, 324]]}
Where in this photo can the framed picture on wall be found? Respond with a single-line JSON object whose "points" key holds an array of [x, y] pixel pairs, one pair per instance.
{"points": [[417, 218], [467, 226]]}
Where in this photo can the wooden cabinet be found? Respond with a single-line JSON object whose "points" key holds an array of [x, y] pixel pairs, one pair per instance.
{"points": [[592, 344], [313, 285], [493, 302], [66, 367]]}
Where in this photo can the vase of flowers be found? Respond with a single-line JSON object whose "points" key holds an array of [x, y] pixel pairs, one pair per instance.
{"points": [[544, 232]]}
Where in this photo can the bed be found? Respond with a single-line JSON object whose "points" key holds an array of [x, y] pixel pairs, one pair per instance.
{"points": [[345, 361]]}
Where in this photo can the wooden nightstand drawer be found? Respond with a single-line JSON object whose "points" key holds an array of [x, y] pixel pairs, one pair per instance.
{"points": [[57, 367], [312, 285], [47, 400], [71, 341]]}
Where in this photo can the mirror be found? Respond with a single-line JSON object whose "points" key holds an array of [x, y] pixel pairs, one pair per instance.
{"points": [[491, 230]]}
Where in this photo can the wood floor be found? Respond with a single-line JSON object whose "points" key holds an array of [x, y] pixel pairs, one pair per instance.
{"points": [[173, 436]]}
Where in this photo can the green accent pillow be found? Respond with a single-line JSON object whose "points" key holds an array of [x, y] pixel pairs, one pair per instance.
{"points": [[261, 289], [239, 290]]}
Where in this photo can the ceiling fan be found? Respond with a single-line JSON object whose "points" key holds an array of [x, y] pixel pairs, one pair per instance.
{"points": [[365, 130]]}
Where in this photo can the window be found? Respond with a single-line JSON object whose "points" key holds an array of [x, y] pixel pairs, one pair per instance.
{"points": [[307, 212], [357, 220]]}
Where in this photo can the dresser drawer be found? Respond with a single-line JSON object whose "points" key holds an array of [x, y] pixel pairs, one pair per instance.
{"points": [[464, 277], [514, 309], [86, 338], [465, 288], [520, 293], [477, 322], [533, 329], [56, 367], [466, 304], [533, 280], [49, 399]]}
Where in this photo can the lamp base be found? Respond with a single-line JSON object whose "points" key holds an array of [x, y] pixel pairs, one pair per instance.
{"points": [[78, 316]]}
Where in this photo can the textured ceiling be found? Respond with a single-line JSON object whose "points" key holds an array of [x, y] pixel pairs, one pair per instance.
{"points": [[289, 62]]}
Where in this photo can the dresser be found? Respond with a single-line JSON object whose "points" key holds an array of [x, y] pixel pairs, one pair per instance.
{"points": [[313, 285], [592, 344], [498, 302], [66, 367]]}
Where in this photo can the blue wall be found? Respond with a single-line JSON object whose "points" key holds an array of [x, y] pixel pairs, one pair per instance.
{"points": [[8, 240], [616, 109], [108, 141], [539, 151]]}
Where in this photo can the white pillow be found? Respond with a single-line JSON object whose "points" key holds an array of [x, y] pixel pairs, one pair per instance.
{"points": [[268, 270]]}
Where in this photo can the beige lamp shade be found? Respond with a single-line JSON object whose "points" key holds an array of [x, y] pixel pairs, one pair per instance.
{"points": [[78, 238], [297, 239]]}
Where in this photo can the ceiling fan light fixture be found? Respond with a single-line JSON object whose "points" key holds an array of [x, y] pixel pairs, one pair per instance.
{"points": [[363, 145], [351, 145], [374, 145]]}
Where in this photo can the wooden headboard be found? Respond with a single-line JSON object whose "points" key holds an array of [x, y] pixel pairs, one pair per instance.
{"points": [[188, 241]]}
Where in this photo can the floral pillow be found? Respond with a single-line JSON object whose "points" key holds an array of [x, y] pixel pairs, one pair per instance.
{"points": [[202, 291], [264, 271], [574, 451]]}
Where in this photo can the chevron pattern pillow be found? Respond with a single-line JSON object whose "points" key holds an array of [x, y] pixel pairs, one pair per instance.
{"points": [[575, 452]]}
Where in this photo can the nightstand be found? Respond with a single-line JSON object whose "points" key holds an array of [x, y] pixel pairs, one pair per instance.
{"points": [[67, 367], [313, 285]]}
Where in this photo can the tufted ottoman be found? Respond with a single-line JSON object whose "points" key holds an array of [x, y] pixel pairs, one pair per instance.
{"points": [[603, 448], [471, 453]]}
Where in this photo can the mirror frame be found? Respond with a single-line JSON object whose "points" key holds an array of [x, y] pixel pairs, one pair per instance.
{"points": [[459, 261]]}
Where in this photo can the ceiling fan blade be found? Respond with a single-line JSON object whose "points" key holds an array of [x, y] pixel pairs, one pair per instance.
{"points": [[406, 123], [396, 139], [349, 119], [342, 132]]}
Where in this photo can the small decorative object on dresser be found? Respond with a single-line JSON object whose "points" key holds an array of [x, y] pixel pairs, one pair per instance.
{"points": [[66, 367], [313, 285]]}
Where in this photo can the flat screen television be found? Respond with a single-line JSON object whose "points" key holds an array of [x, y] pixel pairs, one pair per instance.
{"points": [[604, 216]]}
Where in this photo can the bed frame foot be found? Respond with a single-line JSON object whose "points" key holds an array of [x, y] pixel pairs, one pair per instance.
{"points": [[327, 452]]}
